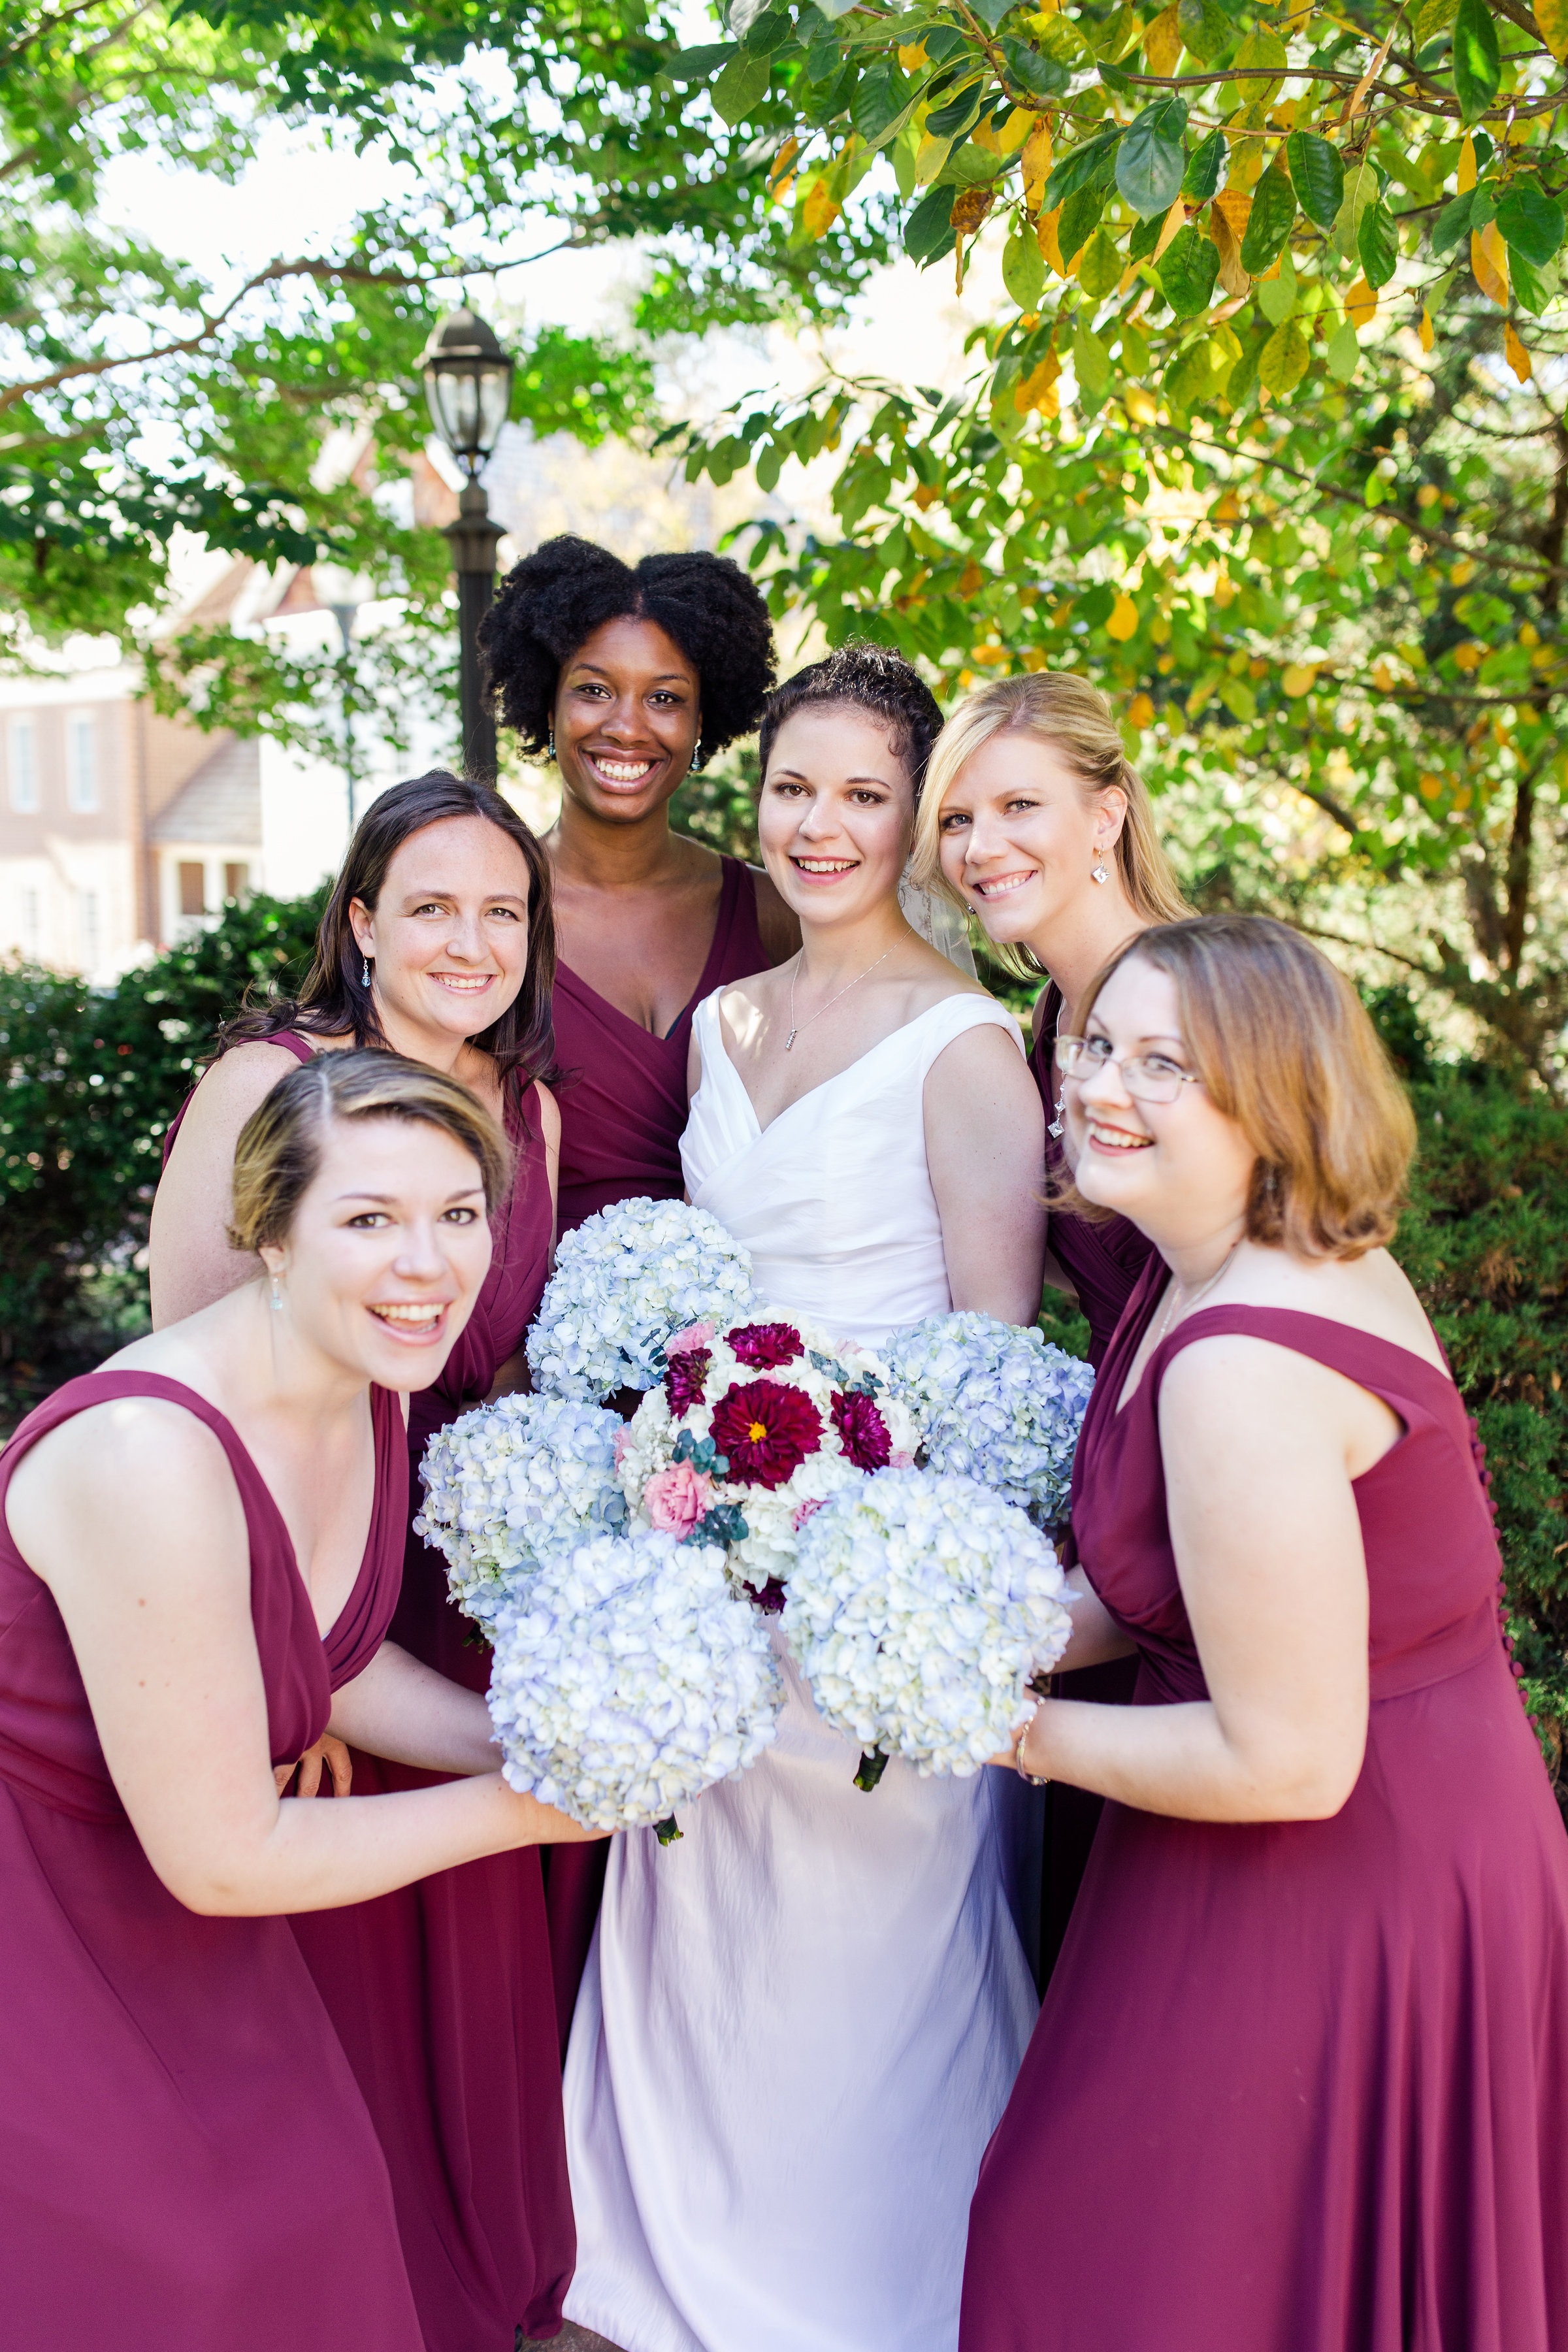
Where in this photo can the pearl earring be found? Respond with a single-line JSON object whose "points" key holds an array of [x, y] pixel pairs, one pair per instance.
{"points": [[277, 1298], [1097, 872], [365, 975]]}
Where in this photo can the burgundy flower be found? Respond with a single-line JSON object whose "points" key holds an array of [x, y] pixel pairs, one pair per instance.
{"points": [[685, 1380], [770, 1600], [764, 1346], [766, 1429], [862, 1432]]}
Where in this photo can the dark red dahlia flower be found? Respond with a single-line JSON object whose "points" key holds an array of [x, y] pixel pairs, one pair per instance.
{"points": [[862, 1432], [766, 1429], [685, 1381], [765, 1345]]}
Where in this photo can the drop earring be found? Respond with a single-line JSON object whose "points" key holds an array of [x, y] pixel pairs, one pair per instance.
{"points": [[1097, 872], [277, 1298], [364, 974], [698, 762], [552, 751]]}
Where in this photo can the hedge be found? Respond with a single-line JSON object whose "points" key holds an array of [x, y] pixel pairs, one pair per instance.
{"points": [[94, 1077]]}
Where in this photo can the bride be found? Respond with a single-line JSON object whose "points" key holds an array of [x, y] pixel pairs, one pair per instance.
{"points": [[800, 2024]]}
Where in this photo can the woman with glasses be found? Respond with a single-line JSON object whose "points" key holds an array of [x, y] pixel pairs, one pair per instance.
{"points": [[1035, 821], [1300, 2080]]}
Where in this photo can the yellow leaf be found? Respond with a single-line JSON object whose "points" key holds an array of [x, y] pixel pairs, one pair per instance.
{"points": [[1530, 634], [1035, 658], [1428, 494], [784, 160], [1462, 572], [1383, 677], [984, 135], [926, 495], [990, 654], [1140, 711], [1226, 508], [1299, 680], [1428, 334], [1046, 231], [1515, 353], [1248, 157], [1177, 218], [1465, 178], [1285, 115], [1123, 621], [1235, 206], [1488, 259], [1224, 591], [1469, 656], [1038, 392], [1014, 133], [971, 578], [912, 55], [1431, 788], [929, 157], [1140, 405], [1361, 304], [1163, 44], [1036, 161], [819, 209], [1232, 276], [781, 194]]}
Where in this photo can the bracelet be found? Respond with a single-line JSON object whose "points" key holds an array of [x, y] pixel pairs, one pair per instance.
{"points": [[1033, 1780]]}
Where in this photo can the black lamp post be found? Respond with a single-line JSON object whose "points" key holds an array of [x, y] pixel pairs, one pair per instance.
{"points": [[467, 383]]}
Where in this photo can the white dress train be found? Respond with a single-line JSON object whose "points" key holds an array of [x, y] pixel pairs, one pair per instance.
{"points": [[800, 2023]]}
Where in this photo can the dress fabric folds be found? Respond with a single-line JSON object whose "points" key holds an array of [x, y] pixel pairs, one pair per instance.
{"points": [[1303, 2086], [186, 2158], [798, 2025], [442, 1992]]}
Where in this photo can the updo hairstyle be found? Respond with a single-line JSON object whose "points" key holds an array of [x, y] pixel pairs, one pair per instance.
{"points": [[870, 678], [1075, 721], [1284, 1048], [280, 1147], [551, 603]]}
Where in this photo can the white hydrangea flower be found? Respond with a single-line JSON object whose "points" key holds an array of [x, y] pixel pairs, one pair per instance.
{"points": [[628, 1678], [623, 1281], [510, 1482], [917, 1608], [995, 1403]]}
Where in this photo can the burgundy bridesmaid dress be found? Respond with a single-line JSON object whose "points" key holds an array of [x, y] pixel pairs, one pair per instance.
{"points": [[623, 1108], [1103, 1262], [1303, 2086], [442, 1993], [186, 2158]]}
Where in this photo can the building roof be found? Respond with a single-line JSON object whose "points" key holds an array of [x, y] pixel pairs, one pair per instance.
{"points": [[220, 803]]}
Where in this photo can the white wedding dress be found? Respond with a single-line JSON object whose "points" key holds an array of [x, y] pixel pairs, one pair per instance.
{"points": [[799, 2024]]}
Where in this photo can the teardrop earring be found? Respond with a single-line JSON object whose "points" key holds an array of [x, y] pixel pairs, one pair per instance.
{"points": [[1097, 872], [365, 975]]}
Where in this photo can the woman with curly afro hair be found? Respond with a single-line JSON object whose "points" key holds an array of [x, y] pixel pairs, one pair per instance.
{"points": [[630, 677]]}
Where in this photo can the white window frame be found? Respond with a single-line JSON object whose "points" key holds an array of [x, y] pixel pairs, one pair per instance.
{"points": [[81, 780], [22, 767]]}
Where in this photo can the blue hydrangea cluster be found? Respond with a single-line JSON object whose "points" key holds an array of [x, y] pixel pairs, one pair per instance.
{"points": [[996, 1403], [624, 1282]]}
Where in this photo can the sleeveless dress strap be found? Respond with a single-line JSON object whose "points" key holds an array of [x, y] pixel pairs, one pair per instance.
{"points": [[102, 1388], [291, 1042], [1395, 1373]]}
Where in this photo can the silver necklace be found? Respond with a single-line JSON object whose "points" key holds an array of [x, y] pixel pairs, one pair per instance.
{"points": [[793, 1031], [1191, 1298]]}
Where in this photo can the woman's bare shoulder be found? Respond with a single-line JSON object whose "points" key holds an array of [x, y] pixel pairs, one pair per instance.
{"points": [[1371, 1294]]}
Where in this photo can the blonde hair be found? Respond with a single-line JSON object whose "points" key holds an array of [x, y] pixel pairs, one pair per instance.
{"points": [[1284, 1048], [1075, 720], [280, 1147]]}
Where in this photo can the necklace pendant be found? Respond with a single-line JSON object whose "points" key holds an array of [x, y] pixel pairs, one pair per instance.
{"points": [[789, 1041]]}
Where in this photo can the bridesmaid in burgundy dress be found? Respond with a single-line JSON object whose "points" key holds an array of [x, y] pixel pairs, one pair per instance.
{"points": [[631, 677], [1300, 2080], [1035, 818], [186, 2158], [441, 1992]]}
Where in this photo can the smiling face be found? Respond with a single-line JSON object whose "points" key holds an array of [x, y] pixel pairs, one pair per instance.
{"points": [[448, 936], [1020, 833], [628, 714], [1173, 1167], [836, 812], [387, 1250]]}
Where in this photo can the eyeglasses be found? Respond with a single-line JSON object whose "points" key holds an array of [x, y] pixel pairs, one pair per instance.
{"points": [[1148, 1078]]}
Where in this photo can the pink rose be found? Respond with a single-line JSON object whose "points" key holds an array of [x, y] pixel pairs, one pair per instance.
{"points": [[806, 1511], [677, 1497], [695, 1335], [623, 1439]]}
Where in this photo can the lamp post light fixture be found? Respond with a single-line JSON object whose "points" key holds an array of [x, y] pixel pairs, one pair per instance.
{"points": [[468, 383]]}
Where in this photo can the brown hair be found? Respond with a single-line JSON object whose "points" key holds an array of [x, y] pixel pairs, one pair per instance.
{"points": [[336, 1002], [1284, 1048], [1075, 720], [280, 1147]]}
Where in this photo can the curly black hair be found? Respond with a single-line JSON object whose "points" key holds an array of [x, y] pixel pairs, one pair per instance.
{"points": [[876, 680], [551, 603]]}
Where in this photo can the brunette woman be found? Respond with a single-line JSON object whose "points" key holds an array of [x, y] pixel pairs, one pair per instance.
{"points": [[437, 941], [630, 677], [1300, 2080], [1035, 820], [200, 1549]]}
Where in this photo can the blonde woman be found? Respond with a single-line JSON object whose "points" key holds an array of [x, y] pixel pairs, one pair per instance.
{"points": [[1034, 818]]}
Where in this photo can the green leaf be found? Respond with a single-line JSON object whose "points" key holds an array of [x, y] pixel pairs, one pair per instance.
{"points": [[1023, 269], [768, 466], [1099, 271], [1478, 60], [1079, 217], [953, 120], [1362, 188], [1276, 296], [1205, 27], [1149, 162], [1284, 359], [1317, 174], [696, 65], [1145, 237], [1090, 360], [882, 96], [743, 85], [1091, 165], [1534, 288], [1188, 269], [1531, 221], [767, 32], [1269, 223], [1343, 351], [928, 232], [991, 12], [1041, 75], [1452, 222], [1201, 177], [1377, 243]]}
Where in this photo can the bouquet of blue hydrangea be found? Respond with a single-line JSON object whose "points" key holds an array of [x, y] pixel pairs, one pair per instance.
{"points": [[626, 1281], [628, 1678], [918, 1608], [993, 1402], [512, 1482]]}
